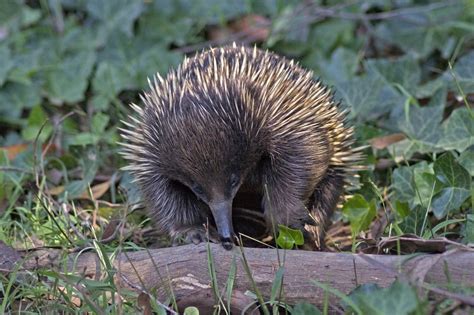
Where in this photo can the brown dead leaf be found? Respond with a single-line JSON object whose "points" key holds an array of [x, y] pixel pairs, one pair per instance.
{"points": [[55, 191], [377, 227], [73, 298], [383, 142], [14, 150], [109, 231], [143, 302], [97, 191], [252, 26]]}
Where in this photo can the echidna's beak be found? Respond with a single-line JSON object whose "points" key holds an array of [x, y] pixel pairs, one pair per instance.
{"points": [[222, 212]]}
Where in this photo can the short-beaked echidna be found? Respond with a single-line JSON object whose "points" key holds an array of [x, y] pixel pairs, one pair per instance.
{"points": [[236, 119]]}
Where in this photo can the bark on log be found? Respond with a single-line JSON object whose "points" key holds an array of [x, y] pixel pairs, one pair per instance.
{"points": [[185, 270]]}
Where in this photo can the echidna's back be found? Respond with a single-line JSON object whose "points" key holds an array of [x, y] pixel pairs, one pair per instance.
{"points": [[289, 97]]}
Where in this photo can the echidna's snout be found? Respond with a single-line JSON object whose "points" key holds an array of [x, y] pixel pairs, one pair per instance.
{"points": [[222, 213]]}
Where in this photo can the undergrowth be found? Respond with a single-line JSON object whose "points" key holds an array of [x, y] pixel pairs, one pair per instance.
{"points": [[68, 69]]}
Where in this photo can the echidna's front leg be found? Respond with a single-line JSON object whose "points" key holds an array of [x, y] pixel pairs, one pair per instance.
{"points": [[326, 196], [176, 210], [286, 191], [291, 178]]}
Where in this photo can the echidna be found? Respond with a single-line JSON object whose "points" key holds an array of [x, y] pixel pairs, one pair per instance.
{"points": [[231, 120]]}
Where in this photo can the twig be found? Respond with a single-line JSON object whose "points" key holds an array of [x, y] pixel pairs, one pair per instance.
{"points": [[15, 169], [456, 296], [330, 12]]}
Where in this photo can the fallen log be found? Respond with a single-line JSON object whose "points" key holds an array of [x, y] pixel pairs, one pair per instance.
{"points": [[185, 270]]}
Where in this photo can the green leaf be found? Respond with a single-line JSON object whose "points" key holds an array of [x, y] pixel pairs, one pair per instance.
{"points": [[288, 238], [401, 208], [466, 159], [359, 212], [131, 190], [113, 16], [191, 310], [456, 182], [74, 189], [6, 63], [463, 72], [339, 68], [17, 97], [68, 82], [404, 71], [398, 299], [27, 64], [369, 97], [423, 31], [328, 34], [110, 79], [458, 130], [14, 15], [305, 308], [99, 123], [84, 138], [426, 185], [403, 184], [36, 119], [424, 133]]}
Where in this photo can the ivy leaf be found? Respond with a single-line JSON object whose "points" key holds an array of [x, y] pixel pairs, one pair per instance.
{"points": [[305, 308], [457, 185], [458, 130], [6, 63], [401, 208], [427, 187], [288, 238], [466, 159], [68, 82], [114, 15], [128, 185], [36, 119], [369, 103], [404, 71], [99, 123], [359, 212], [422, 32], [191, 310], [108, 81], [400, 299], [403, 184], [463, 72], [339, 68], [424, 132], [13, 15], [16, 97]]}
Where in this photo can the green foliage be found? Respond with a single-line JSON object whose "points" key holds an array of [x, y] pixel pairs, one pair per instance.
{"points": [[398, 299], [445, 184], [359, 212], [289, 238], [304, 308], [191, 310], [69, 68]]}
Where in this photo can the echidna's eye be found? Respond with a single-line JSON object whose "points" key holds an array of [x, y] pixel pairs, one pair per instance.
{"points": [[197, 190], [234, 180]]}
